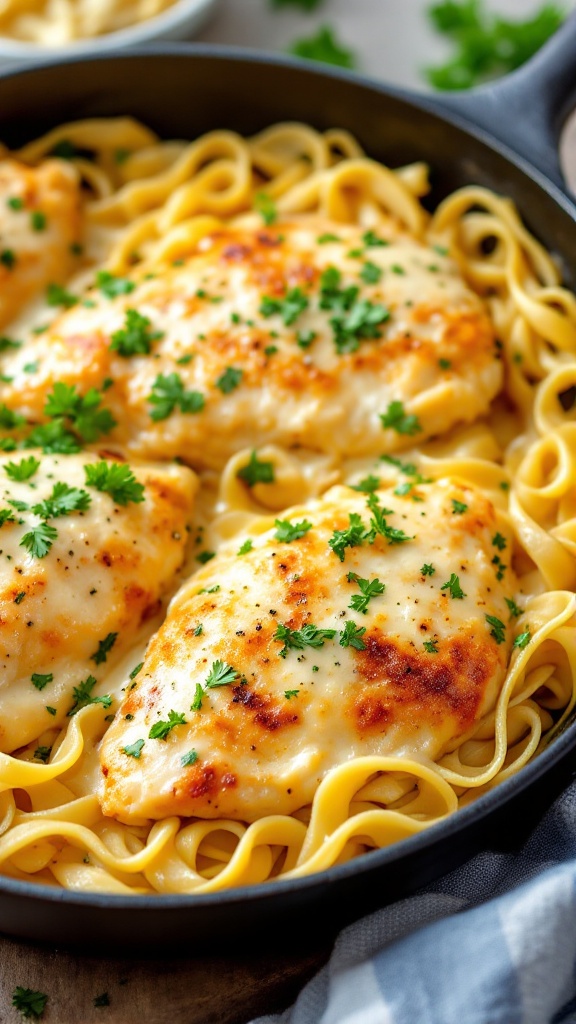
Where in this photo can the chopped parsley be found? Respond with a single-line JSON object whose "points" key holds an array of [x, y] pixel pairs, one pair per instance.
{"points": [[368, 590], [458, 507], [360, 323], [298, 639], [444, 364], [20, 597], [199, 629], [396, 418], [136, 670], [38, 220], [112, 286], [58, 296], [85, 416], [266, 207], [453, 586], [205, 556], [229, 380], [10, 419], [221, 674], [427, 569], [287, 532], [189, 759], [291, 693], [515, 610], [168, 392], [352, 537], [8, 259], [23, 470], [379, 525], [196, 704], [115, 479], [245, 547], [9, 343], [325, 47], [83, 696], [431, 646], [499, 541], [327, 237], [305, 338], [373, 241], [161, 730], [351, 636], [51, 711], [63, 500], [290, 307], [523, 639], [104, 648], [40, 681], [134, 749], [368, 485], [256, 472], [42, 754], [15, 203], [6, 516], [498, 630], [370, 273], [39, 540], [29, 1003], [136, 337]]}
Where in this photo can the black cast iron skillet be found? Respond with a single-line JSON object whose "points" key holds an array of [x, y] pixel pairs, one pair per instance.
{"points": [[504, 137]]}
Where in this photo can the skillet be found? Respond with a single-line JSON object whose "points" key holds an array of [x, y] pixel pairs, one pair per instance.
{"points": [[503, 136]]}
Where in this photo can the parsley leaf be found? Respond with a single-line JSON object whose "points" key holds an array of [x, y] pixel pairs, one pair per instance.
{"points": [[523, 639], [397, 419], [53, 438], [189, 759], [515, 610], [245, 547], [221, 674], [498, 630], [373, 241], [298, 639], [458, 507], [368, 485], [161, 730], [196, 704], [116, 479], [229, 380], [427, 569], [134, 749], [104, 648], [168, 392], [359, 324], [58, 296], [6, 516], [29, 1003], [287, 531], [40, 681], [291, 693], [23, 470], [39, 540], [266, 207], [63, 500], [324, 47], [256, 472], [84, 412], [368, 589], [10, 419], [371, 273], [42, 754], [453, 586], [351, 636], [352, 537], [135, 338], [378, 524], [290, 307], [112, 286], [499, 541], [83, 696], [431, 646]]}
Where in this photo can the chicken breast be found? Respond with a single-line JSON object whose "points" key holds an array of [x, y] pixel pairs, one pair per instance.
{"points": [[40, 227], [363, 623], [88, 548], [315, 335]]}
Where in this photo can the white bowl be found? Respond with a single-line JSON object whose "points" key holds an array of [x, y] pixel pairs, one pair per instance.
{"points": [[178, 21]]}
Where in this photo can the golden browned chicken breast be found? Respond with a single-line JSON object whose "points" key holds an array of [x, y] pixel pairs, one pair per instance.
{"points": [[364, 623]]}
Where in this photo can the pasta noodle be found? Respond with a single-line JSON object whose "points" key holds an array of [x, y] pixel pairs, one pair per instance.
{"points": [[57, 22], [147, 204]]}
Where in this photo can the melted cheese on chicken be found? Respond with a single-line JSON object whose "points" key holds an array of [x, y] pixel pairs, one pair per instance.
{"points": [[244, 703], [39, 226], [69, 612], [271, 337]]}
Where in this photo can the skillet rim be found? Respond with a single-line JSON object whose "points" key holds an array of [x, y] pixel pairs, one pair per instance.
{"points": [[374, 861]]}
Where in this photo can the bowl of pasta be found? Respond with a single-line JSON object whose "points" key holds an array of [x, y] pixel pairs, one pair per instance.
{"points": [[288, 520], [38, 28]]}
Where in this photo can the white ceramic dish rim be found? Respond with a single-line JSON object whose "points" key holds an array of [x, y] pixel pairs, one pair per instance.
{"points": [[182, 17]]}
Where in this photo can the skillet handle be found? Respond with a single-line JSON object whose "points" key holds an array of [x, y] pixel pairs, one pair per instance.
{"points": [[526, 109]]}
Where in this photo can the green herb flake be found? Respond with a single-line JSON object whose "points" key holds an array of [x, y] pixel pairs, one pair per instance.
{"points": [[431, 646], [514, 609], [136, 337], [287, 532], [104, 648], [23, 470], [294, 303], [221, 674], [522, 640], [326, 238], [453, 587], [245, 547], [298, 639], [58, 296], [427, 569], [324, 47], [351, 636], [136, 670], [86, 417], [187, 760], [15, 203], [205, 556], [396, 418], [229, 380], [444, 364], [62, 501], [20, 597], [458, 507], [115, 479], [266, 207], [40, 681], [196, 704], [29, 1003], [368, 485], [42, 754], [168, 393], [353, 536], [134, 749], [499, 541], [39, 540], [83, 696], [161, 730], [305, 338], [368, 590], [370, 273], [373, 241], [289, 694], [51, 711], [38, 220], [498, 630], [112, 286], [256, 472]]}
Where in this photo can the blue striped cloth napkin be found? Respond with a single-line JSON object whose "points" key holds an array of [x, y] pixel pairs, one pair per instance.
{"points": [[492, 943]]}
